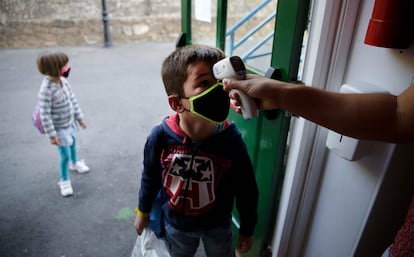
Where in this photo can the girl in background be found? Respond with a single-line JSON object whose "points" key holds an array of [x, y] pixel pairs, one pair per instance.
{"points": [[60, 114]]}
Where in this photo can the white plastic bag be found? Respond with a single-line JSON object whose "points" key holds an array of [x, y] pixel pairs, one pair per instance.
{"points": [[148, 245]]}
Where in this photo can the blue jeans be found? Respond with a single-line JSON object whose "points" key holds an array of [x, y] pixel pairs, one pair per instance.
{"points": [[67, 153], [217, 242]]}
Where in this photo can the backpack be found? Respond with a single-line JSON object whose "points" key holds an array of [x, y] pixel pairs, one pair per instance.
{"points": [[36, 119]]}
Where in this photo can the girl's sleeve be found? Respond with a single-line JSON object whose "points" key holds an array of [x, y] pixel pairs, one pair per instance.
{"points": [[45, 101], [74, 100], [151, 177]]}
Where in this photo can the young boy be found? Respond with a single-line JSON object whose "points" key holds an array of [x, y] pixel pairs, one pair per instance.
{"points": [[199, 161]]}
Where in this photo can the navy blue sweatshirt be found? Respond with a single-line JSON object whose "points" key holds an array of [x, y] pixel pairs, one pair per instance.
{"points": [[200, 181]]}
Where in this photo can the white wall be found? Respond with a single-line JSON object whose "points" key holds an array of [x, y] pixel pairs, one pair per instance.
{"points": [[348, 189], [329, 203]]}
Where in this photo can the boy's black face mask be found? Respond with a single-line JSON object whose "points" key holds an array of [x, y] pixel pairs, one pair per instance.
{"points": [[213, 104]]}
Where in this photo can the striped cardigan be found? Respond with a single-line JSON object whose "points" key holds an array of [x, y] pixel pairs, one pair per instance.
{"points": [[59, 107]]}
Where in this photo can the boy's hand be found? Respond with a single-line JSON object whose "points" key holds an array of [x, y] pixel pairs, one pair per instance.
{"points": [[82, 124], [140, 223], [244, 243]]}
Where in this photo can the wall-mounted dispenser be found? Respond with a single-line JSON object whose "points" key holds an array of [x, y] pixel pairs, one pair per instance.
{"points": [[347, 147], [391, 24]]}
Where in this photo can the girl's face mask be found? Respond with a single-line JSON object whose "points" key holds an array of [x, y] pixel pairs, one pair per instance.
{"points": [[212, 104], [65, 71]]}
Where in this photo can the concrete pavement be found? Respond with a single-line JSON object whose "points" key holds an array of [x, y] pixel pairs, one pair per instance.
{"points": [[121, 94]]}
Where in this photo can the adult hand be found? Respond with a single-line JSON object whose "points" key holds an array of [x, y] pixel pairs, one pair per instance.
{"points": [[264, 90]]}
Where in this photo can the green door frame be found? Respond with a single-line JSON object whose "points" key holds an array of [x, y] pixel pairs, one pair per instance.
{"points": [[266, 137], [290, 25], [186, 20]]}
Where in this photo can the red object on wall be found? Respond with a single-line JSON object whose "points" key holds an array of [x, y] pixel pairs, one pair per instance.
{"points": [[391, 24]]}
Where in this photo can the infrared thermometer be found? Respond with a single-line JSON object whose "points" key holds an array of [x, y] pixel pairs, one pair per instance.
{"points": [[233, 67]]}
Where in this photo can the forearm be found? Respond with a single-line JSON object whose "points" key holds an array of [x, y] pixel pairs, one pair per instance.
{"points": [[382, 117], [369, 116], [76, 107], [147, 193]]}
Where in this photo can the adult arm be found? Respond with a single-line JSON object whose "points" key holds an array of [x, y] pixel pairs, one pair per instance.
{"points": [[382, 117]]}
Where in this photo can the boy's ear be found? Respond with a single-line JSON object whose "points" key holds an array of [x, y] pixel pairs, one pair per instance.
{"points": [[175, 103]]}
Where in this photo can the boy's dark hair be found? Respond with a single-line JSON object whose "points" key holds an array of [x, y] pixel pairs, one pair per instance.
{"points": [[175, 66], [51, 64]]}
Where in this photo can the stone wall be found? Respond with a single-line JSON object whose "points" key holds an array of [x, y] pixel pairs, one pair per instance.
{"points": [[40, 23]]}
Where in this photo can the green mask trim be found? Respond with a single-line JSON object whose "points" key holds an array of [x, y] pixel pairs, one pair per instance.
{"points": [[213, 104]]}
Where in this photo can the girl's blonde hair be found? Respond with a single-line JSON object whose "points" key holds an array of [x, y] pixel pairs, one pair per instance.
{"points": [[51, 64]]}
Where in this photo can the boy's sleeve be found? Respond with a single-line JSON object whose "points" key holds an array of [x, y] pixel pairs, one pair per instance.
{"points": [[151, 177], [247, 193]]}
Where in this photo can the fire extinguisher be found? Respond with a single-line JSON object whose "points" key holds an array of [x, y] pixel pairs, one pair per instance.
{"points": [[391, 24]]}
